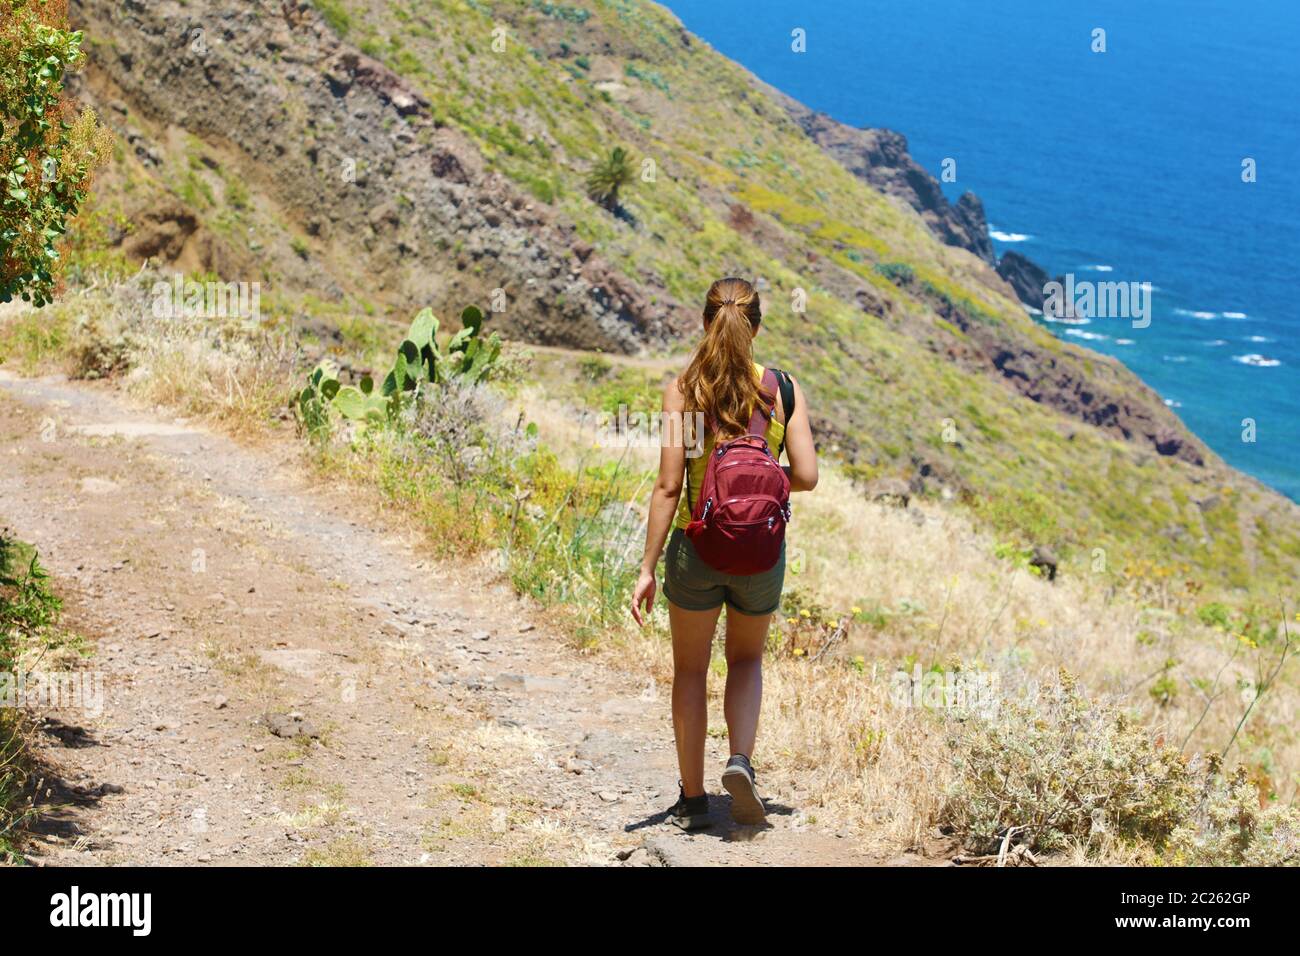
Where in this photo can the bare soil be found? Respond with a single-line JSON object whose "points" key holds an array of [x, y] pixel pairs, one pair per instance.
{"points": [[290, 680]]}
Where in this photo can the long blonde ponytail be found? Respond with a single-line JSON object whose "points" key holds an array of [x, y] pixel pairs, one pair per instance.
{"points": [[720, 380]]}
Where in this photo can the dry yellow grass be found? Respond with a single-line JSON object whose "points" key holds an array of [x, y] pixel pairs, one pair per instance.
{"points": [[932, 592], [920, 587], [242, 387]]}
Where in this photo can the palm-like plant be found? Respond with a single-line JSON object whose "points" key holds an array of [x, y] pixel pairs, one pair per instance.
{"points": [[608, 176]]}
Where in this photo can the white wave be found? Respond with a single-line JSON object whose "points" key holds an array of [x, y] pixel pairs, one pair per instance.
{"points": [[1090, 336], [1067, 320], [1097, 268], [1234, 315], [1259, 361], [1216, 342], [1262, 339], [1174, 358], [1196, 315], [1010, 236], [1173, 403], [1124, 342]]}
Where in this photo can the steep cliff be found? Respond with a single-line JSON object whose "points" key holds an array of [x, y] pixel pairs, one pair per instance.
{"points": [[391, 202], [880, 157]]}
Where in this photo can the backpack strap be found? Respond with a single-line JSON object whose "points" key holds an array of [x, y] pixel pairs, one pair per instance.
{"points": [[787, 392], [787, 402], [762, 415]]}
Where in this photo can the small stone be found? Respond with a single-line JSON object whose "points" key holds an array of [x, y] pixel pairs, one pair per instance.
{"points": [[1045, 561], [290, 726], [888, 491], [220, 702]]}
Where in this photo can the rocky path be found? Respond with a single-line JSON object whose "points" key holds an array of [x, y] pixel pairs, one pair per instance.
{"points": [[287, 682]]}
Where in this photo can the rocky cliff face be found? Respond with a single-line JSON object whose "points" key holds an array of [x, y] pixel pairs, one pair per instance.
{"points": [[388, 202], [1097, 390], [880, 157], [1025, 276]]}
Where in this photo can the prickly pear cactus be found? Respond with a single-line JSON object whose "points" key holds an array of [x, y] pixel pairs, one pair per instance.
{"points": [[419, 362], [361, 404], [314, 400], [471, 355]]}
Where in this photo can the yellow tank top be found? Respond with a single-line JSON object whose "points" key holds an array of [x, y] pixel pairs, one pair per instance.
{"points": [[696, 466]]}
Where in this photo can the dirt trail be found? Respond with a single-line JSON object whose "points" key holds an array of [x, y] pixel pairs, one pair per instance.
{"points": [[221, 584]]}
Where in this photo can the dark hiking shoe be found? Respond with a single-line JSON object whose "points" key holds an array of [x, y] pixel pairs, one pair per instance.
{"points": [[690, 813], [746, 804]]}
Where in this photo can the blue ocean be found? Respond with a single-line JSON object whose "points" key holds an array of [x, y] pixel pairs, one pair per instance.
{"points": [[1123, 165]]}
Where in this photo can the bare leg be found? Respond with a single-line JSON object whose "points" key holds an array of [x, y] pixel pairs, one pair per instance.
{"points": [[746, 635], [692, 642]]}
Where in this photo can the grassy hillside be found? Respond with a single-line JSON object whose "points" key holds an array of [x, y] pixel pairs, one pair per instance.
{"points": [[899, 340]]}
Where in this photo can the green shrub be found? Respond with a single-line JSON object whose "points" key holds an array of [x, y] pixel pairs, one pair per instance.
{"points": [[335, 14], [28, 609], [1054, 769], [45, 161], [237, 194], [562, 11], [1229, 827], [899, 273], [469, 357], [608, 176], [577, 547], [1214, 614], [443, 445]]}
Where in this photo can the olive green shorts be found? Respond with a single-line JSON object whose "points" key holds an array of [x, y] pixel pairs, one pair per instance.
{"points": [[694, 586]]}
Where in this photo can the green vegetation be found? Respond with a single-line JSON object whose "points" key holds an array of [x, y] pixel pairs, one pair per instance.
{"points": [[610, 174], [45, 160], [29, 611], [478, 479], [469, 357], [335, 14]]}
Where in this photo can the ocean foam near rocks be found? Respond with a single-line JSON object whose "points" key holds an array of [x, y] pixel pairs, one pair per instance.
{"points": [[1009, 236], [1257, 360]]}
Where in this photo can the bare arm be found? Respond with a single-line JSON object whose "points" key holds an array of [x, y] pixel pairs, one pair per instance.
{"points": [[663, 505], [799, 447]]}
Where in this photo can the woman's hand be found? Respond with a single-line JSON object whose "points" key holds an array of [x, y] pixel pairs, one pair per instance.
{"points": [[644, 593], [663, 502]]}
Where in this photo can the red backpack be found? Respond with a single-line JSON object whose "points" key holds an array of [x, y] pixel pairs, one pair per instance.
{"points": [[738, 520]]}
